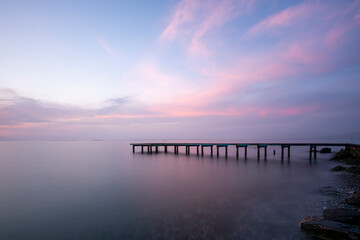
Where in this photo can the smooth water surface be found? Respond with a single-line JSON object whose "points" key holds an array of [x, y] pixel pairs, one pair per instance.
{"points": [[101, 190]]}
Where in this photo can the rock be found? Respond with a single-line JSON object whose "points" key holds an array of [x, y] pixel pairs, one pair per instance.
{"points": [[352, 158], [340, 155], [324, 229], [338, 169], [353, 200], [355, 169], [325, 150], [329, 191], [343, 215], [311, 218]]}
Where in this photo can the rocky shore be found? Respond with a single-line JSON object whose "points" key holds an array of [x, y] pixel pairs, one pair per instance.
{"points": [[342, 221]]}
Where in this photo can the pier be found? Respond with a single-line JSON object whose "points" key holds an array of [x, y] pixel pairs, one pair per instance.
{"points": [[156, 147]]}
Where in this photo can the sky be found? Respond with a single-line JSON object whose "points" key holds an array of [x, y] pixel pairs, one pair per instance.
{"points": [[188, 69]]}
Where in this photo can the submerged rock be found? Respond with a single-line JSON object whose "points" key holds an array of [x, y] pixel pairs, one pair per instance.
{"points": [[343, 215], [324, 229], [338, 169], [325, 150]]}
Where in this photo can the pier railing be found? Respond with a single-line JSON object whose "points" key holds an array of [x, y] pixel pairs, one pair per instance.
{"points": [[155, 147]]}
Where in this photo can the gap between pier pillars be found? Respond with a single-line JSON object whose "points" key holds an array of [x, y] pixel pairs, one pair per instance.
{"points": [[240, 146], [258, 150], [218, 146], [187, 148], [206, 145], [282, 150]]}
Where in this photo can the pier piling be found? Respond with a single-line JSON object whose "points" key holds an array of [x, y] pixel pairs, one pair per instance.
{"points": [[265, 151], [288, 151]]}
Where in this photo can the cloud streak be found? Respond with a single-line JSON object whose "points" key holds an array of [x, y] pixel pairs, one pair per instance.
{"points": [[285, 18], [192, 20]]}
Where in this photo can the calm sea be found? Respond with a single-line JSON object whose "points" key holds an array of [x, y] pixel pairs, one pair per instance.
{"points": [[101, 190]]}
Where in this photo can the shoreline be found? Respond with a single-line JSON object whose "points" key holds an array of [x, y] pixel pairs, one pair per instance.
{"points": [[342, 221]]}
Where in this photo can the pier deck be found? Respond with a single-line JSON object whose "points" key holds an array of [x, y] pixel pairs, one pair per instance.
{"points": [[312, 147]]}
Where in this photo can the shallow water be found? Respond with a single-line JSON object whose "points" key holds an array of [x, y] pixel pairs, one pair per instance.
{"points": [[101, 190]]}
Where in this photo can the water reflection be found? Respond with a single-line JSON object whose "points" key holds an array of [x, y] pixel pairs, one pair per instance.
{"points": [[100, 190]]}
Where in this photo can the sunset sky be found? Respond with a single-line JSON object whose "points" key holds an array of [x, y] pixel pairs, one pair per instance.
{"points": [[169, 69]]}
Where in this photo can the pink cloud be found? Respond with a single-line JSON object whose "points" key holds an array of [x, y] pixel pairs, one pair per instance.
{"points": [[285, 18], [287, 58], [230, 82], [276, 111], [193, 19], [243, 111], [297, 110], [166, 95], [198, 49], [263, 113], [217, 15], [337, 36], [154, 84], [184, 13], [127, 116], [334, 37], [103, 45], [357, 14], [303, 53]]}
